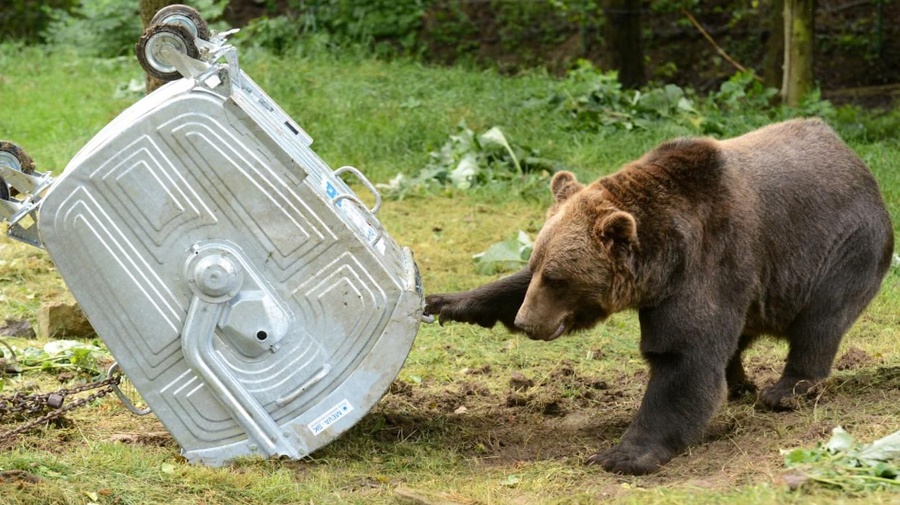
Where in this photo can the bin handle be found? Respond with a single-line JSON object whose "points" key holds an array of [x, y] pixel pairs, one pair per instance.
{"points": [[366, 182], [114, 369], [374, 222]]}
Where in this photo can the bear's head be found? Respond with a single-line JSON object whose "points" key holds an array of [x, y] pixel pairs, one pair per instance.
{"points": [[583, 262]]}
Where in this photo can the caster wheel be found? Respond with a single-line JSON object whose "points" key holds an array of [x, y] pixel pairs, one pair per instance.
{"points": [[14, 157], [182, 15], [149, 49]]}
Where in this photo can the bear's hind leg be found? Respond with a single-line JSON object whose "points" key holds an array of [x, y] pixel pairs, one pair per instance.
{"points": [[815, 335], [814, 338], [813, 345]]}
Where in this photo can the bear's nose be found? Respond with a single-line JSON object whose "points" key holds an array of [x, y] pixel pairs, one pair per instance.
{"points": [[522, 323]]}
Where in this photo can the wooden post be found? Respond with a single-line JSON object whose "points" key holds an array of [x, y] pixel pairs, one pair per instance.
{"points": [[799, 17]]}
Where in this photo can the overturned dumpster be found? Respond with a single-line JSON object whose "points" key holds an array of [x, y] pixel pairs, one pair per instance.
{"points": [[252, 298]]}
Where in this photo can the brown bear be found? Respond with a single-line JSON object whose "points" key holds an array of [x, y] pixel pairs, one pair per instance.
{"points": [[781, 231]]}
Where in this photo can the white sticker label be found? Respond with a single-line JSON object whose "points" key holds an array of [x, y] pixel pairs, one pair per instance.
{"points": [[332, 416]]}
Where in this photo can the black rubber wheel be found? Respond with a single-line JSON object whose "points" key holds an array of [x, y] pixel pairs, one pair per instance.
{"points": [[183, 15], [154, 38], [18, 158]]}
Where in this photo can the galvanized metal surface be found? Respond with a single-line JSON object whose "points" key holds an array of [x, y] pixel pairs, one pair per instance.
{"points": [[252, 299]]}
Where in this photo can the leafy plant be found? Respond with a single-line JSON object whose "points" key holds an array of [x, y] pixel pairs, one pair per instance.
{"points": [[24, 20], [386, 26], [275, 34], [468, 160], [740, 104], [845, 464], [97, 28], [595, 99], [61, 355], [505, 256], [742, 91]]}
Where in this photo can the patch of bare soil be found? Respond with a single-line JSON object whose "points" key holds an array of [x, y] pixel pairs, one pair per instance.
{"points": [[852, 359], [571, 416]]}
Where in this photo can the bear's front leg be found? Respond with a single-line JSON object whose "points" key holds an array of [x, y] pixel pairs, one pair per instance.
{"points": [[687, 384], [682, 395], [485, 305]]}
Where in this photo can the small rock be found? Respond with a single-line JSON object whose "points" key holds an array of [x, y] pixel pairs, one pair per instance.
{"points": [[61, 320], [17, 328], [461, 410]]}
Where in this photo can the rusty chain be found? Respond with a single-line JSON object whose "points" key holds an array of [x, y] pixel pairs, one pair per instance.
{"points": [[22, 405]]}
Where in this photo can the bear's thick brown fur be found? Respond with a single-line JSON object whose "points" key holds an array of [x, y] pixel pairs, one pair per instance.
{"points": [[781, 231]]}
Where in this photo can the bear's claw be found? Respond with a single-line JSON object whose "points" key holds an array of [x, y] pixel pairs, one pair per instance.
{"points": [[454, 307], [630, 460]]}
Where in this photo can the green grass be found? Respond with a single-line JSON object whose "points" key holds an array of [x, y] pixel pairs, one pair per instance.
{"points": [[385, 118]]}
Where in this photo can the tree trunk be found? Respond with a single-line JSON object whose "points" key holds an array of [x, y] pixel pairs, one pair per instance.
{"points": [[773, 75], [799, 16], [148, 9], [622, 35]]}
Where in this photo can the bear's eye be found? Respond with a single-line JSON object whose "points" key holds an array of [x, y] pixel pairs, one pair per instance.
{"points": [[553, 281]]}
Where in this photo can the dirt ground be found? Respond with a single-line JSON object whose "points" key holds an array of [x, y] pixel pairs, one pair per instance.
{"points": [[571, 416]]}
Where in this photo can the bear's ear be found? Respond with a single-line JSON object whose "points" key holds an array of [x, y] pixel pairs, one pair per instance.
{"points": [[563, 185], [617, 227]]}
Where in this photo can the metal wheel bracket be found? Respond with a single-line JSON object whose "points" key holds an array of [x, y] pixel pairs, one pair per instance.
{"points": [[21, 213], [184, 64]]}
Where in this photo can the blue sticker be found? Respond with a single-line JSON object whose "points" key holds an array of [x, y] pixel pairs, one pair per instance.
{"points": [[331, 191]]}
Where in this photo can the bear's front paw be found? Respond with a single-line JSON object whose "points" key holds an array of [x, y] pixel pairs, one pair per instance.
{"points": [[629, 459], [457, 307]]}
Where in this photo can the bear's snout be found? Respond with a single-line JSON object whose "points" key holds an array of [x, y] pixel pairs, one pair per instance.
{"points": [[522, 323], [538, 328]]}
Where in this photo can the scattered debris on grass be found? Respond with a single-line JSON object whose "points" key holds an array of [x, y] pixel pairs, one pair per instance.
{"points": [[58, 356], [845, 464], [468, 160]]}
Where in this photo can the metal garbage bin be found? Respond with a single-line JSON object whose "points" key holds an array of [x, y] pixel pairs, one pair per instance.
{"points": [[253, 299]]}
